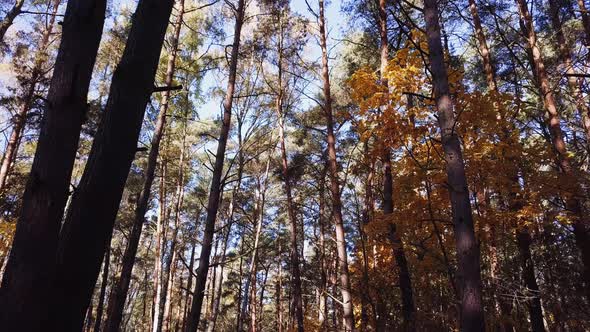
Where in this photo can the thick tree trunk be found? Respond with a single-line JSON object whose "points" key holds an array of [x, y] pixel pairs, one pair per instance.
{"points": [[572, 200], [9, 18], [89, 222], [472, 316], [215, 190], [29, 268], [348, 314], [20, 118], [117, 300]]}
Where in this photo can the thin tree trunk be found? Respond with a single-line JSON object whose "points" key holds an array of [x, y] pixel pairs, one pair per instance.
{"points": [[568, 66], [9, 18], [189, 284], [218, 287], [585, 21], [20, 119], [572, 201], [472, 315], [89, 222], [524, 240], [161, 227], [171, 258], [103, 289], [323, 305], [215, 190], [348, 315], [117, 301], [296, 302], [165, 325], [279, 288], [259, 209], [484, 50], [28, 273]]}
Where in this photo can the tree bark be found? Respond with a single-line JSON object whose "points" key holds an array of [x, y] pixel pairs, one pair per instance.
{"points": [[215, 190], [89, 221], [29, 268], [348, 315], [472, 315], [581, 222]]}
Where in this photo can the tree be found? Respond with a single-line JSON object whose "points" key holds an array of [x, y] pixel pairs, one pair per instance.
{"points": [[117, 300], [472, 315], [215, 189], [91, 214], [27, 279]]}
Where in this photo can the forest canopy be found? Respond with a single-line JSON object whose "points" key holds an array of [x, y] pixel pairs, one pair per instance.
{"points": [[307, 165]]}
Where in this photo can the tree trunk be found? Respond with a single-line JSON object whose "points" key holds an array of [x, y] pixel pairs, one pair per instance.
{"points": [[215, 190], [279, 288], [117, 300], [161, 227], [189, 284], [259, 209], [296, 302], [90, 219], [218, 286], [103, 289], [567, 66], [348, 315], [171, 258], [585, 21], [484, 50], [401, 262], [524, 240], [572, 201], [472, 316], [29, 269], [323, 301], [9, 18]]}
